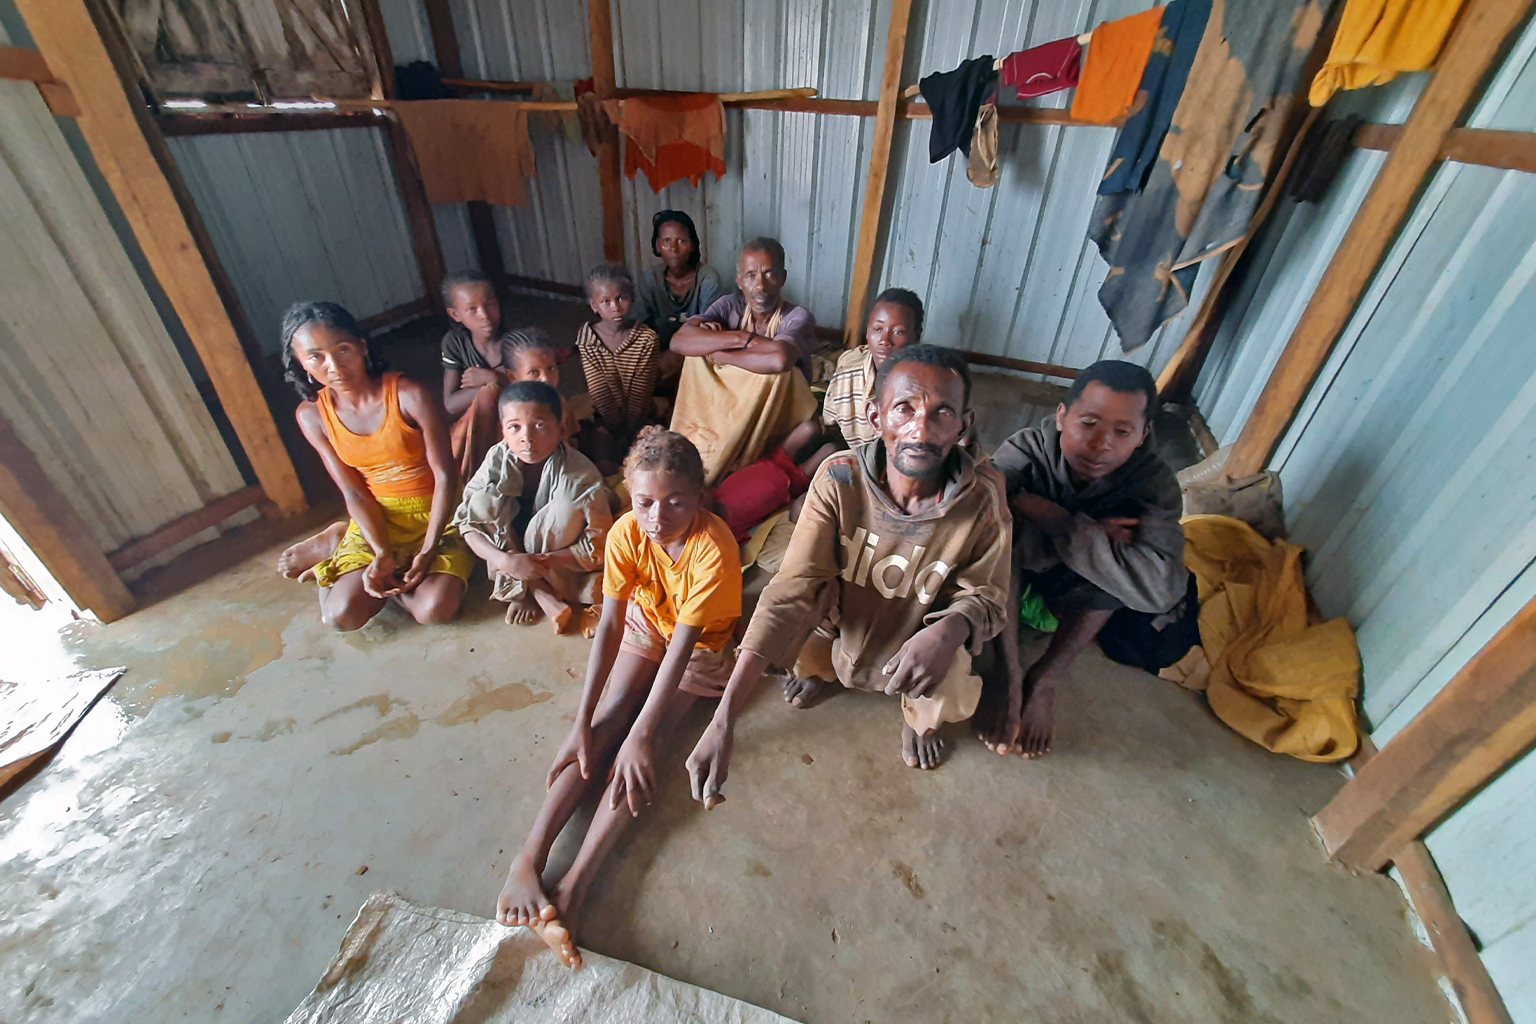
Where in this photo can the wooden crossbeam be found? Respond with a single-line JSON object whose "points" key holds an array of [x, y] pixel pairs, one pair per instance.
{"points": [[183, 528], [1486, 147], [1474, 44], [1480, 722]]}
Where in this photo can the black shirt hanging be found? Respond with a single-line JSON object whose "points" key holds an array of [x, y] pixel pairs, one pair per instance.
{"points": [[954, 97]]}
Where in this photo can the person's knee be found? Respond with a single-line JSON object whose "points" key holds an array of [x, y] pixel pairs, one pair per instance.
{"points": [[345, 617], [438, 607]]}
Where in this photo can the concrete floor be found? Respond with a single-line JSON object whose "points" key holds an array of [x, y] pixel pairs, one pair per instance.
{"points": [[201, 842]]}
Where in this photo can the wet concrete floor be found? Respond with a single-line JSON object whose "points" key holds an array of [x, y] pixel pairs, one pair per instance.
{"points": [[201, 842]]}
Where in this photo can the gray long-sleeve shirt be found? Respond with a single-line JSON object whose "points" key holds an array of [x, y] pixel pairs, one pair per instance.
{"points": [[1147, 574]]}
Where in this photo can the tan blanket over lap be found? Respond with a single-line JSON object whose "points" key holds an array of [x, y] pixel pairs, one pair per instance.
{"points": [[734, 416], [1283, 683], [401, 962]]}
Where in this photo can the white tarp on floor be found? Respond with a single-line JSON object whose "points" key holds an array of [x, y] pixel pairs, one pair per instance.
{"points": [[36, 716], [426, 965]]}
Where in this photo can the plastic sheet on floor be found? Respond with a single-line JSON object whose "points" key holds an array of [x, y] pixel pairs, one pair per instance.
{"points": [[36, 716], [426, 965]]}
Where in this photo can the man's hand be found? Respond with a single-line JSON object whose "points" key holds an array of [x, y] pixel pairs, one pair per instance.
{"points": [[379, 576], [1043, 512], [521, 566], [634, 776], [1121, 528], [478, 377], [710, 763], [577, 750], [710, 325], [924, 660]]}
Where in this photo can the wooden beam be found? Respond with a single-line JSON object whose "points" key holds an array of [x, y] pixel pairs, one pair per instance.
{"points": [[1485, 147], [133, 157], [55, 533], [1474, 44], [600, 27], [418, 209], [397, 315], [265, 121], [487, 85], [24, 63], [183, 527], [1023, 365], [1453, 946], [1481, 721], [865, 269], [537, 284], [482, 219], [383, 53]]}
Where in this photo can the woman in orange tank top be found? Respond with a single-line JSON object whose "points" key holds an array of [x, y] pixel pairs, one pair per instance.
{"points": [[384, 440]]}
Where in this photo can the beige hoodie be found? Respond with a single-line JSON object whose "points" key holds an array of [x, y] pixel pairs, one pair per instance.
{"points": [[880, 574]]}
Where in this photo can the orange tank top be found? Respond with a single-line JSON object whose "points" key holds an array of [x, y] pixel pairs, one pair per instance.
{"points": [[392, 459]]}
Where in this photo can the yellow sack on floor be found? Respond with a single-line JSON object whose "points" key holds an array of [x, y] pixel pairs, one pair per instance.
{"points": [[1286, 685]]}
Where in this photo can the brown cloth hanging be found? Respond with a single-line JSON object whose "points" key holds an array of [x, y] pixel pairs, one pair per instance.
{"points": [[470, 149], [671, 137]]}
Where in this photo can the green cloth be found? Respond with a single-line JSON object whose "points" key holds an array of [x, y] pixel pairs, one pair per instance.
{"points": [[1034, 612]]}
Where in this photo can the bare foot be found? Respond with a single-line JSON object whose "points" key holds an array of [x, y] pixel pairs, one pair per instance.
{"points": [[559, 932], [996, 727], [559, 613], [1038, 721], [591, 615], [925, 752], [311, 551], [804, 691], [522, 900], [524, 611]]}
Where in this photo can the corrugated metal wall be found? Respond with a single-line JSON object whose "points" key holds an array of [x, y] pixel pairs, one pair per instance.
{"points": [[89, 376], [1410, 473], [303, 215], [1006, 270]]}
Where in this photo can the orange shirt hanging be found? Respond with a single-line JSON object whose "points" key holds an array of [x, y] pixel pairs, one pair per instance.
{"points": [[1117, 55], [671, 137]]}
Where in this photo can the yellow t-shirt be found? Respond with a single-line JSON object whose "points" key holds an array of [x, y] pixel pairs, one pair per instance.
{"points": [[702, 588]]}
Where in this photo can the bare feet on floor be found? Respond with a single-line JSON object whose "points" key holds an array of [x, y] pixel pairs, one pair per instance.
{"points": [[524, 611], [559, 932], [996, 730], [298, 559], [522, 900], [591, 615], [805, 691], [1038, 722], [559, 613], [921, 751]]}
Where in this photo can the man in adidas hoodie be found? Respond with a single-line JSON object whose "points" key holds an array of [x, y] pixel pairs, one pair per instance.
{"points": [[899, 565]]}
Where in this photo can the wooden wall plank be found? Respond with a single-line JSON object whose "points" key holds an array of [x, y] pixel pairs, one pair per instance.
{"points": [[132, 156], [1488, 147], [1482, 720], [1475, 43], [53, 531], [600, 26], [879, 170]]}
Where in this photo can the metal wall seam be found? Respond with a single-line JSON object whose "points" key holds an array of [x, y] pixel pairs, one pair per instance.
{"points": [[297, 216]]}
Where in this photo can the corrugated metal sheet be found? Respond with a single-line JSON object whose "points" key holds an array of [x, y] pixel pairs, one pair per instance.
{"points": [[1410, 473], [89, 376], [1006, 270], [303, 215]]}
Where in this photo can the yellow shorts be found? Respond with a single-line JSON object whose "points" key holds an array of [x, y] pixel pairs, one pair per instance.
{"points": [[406, 521]]}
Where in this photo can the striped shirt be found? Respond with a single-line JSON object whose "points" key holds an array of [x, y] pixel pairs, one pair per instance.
{"points": [[847, 392], [623, 383]]}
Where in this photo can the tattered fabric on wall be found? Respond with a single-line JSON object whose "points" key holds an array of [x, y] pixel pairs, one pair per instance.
{"points": [[270, 49], [1209, 176], [470, 149]]}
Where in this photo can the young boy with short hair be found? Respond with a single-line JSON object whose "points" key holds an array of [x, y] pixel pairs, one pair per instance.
{"points": [[618, 357], [536, 512], [473, 368]]}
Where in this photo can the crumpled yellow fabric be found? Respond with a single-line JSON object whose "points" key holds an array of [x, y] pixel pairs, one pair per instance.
{"points": [[1288, 685], [1379, 38]]}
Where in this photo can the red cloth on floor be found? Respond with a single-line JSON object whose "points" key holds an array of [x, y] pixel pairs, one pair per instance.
{"points": [[1044, 69], [753, 493], [671, 137]]}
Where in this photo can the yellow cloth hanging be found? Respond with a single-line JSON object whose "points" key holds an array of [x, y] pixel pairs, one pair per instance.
{"points": [[1283, 683], [1379, 38]]}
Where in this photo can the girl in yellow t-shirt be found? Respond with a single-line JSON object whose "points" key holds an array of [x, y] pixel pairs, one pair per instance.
{"points": [[671, 598]]}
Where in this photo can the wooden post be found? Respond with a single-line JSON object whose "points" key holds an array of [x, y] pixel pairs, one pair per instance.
{"points": [[879, 169], [37, 511], [600, 24], [1479, 999], [418, 210], [1474, 44], [132, 155], [482, 219], [1482, 720]]}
